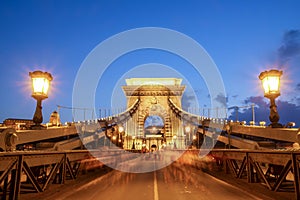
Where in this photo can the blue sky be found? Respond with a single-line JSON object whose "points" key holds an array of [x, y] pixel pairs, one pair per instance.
{"points": [[242, 37]]}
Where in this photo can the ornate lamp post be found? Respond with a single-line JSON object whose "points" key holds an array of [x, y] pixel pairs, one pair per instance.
{"points": [[271, 84], [40, 87], [120, 136], [121, 129], [194, 141]]}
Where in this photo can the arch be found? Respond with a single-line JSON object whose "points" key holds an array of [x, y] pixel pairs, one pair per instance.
{"points": [[154, 95], [153, 125], [154, 110], [154, 120]]}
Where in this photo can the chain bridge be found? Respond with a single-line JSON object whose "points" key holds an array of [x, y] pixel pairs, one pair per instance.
{"points": [[59, 152]]}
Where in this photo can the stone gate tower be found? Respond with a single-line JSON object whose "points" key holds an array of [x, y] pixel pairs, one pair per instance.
{"points": [[154, 94]]}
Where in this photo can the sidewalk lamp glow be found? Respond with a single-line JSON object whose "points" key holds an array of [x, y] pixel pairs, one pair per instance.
{"points": [[262, 123], [40, 87], [271, 85], [120, 132], [121, 129], [271, 82], [187, 129]]}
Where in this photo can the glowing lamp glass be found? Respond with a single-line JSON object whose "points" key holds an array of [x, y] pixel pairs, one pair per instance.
{"points": [[40, 83], [187, 129], [271, 82], [121, 129]]}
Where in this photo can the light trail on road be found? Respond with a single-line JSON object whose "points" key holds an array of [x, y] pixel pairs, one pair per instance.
{"points": [[176, 182]]}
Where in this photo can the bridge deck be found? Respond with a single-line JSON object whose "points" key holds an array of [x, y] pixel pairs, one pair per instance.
{"points": [[174, 182]]}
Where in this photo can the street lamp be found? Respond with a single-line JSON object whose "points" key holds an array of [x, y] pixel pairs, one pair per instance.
{"points": [[187, 129], [40, 87], [114, 138], [120, 134], [187, 132], [121, 129], [271, 84]]}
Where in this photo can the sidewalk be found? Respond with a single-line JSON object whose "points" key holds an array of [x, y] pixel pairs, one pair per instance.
{"points": [[259, 189]]}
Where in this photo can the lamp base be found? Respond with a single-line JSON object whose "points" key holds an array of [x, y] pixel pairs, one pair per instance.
{"points": [[276, 125], [37, 127]]}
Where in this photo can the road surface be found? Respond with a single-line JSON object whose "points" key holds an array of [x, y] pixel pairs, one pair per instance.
{"points": [[176, 182]]}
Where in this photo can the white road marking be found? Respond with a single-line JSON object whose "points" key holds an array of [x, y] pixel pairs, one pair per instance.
{"points": [[155, 187]]}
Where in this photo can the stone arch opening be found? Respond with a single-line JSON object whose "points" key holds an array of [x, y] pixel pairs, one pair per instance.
{"points": [[153, 125], [155, 112], [154, 133]]}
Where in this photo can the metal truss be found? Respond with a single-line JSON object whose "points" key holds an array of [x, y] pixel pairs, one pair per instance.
{"points": [[233, 133], [34, 171], [269, 167], [39, 168]]}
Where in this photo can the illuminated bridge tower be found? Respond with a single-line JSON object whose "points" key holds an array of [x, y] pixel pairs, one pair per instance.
{"points": [[154, 94]]}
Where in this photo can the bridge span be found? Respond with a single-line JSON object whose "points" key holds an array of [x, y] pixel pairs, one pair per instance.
{"points": [[168, 162], [173, 182], [184, 177]]}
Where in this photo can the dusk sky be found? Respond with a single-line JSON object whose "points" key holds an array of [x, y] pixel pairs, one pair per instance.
{"points": [[243, 38]]}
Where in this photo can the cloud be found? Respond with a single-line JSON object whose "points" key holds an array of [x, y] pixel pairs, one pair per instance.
{"points": [[298, 87], [257, 100], [298, 100], [222, 100], [153, 121], [261, 109], [290, 46], [296, 97], [187, 100], [289, 112]]}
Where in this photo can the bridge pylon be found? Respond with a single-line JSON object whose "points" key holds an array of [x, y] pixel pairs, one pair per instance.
{"points": [[154, 94]]}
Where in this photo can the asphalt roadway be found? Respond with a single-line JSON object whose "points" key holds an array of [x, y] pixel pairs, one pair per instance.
{"points": [[151, 186], [176, 182]]}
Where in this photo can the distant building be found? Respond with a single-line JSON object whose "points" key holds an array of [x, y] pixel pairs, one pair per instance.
{"points": [[152, 130], [54, 119], [18, 123]]}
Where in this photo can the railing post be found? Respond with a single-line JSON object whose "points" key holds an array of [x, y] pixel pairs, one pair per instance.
{"points": [[296, 175], [64, 171], [249, 169], [5, 185], [16, 180], [226, 167]]}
